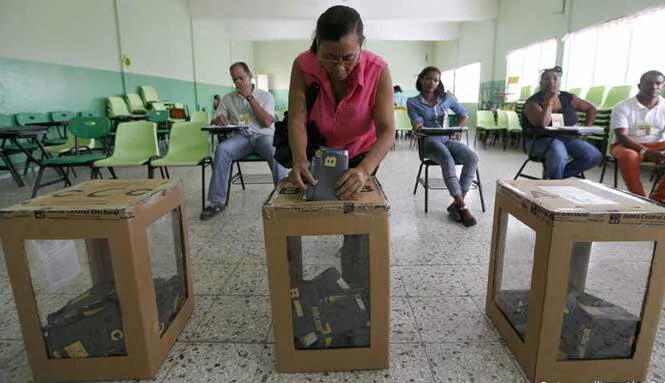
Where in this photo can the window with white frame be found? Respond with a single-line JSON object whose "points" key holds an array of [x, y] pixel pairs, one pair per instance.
{"points": [[614, 53], [523, 66], [463, 82], [467, 83]]}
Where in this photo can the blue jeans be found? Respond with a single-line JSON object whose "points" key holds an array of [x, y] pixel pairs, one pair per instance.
{"points": [[448, 153], [235, 148], [556, 166]]}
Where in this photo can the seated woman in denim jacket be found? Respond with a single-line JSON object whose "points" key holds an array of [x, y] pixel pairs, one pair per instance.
{"points": [[537, 114], [429, 109]]}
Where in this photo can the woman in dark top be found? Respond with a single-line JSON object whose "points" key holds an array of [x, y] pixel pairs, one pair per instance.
{"points": [[538, 110]]}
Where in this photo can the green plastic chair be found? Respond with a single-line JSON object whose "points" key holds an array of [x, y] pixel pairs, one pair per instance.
{"points": [[595, 95], [158, 106], [201, 116], [23, 119], [615, 95], [7, 121], [188, 146], [486, 126], [116, 107], [149, 94], [135, 145], [80, 128], [402, 122], [63, 117], [134, 103], [514, 127], [27, 118], [90, 113], [525, 92], [575, 91]]}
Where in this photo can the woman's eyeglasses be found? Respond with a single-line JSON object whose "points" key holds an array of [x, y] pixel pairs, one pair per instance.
{"points": [[346, 60]]}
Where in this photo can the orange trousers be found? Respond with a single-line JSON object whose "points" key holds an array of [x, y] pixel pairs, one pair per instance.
{"points": [[629, 166]]}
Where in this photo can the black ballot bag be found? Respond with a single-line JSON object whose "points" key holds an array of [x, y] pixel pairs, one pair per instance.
{"points": [[90, 325]]}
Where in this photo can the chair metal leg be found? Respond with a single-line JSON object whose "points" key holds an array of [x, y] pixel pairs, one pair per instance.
{"points": [[242, 181], [203, 186], [519, 172], [658, 175], [426, 186], [415, 187], [166, 170], [110, 171], [228, 185], [35, 189], [12, 169], [602, 171], [161, 172], [151, 172], [616, 173], [480, 190]]}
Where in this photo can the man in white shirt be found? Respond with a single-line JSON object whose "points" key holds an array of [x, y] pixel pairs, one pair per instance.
{"points": [[639, 126], [252, 107]]}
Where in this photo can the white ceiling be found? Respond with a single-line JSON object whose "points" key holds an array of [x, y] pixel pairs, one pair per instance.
{"points": [[384, 20]]}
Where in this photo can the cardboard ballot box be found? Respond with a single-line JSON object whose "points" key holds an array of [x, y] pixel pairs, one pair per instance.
{"points": [[329, 279], [101, 280], [575, 281]]}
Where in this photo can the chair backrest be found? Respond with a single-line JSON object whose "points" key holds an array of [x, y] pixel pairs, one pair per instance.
{"points": [[149, 94], [525, 92], [90, 113], [575, 91], [615, 95], [158, 115], [116, 106], [513, 120], [62, 116], [136, 138], [6, 120], [89, 127], [595, 95], [501, 119], [200, 116], [187, 137], [402, 120], [485, 119], [28, 118], [134, 103]]}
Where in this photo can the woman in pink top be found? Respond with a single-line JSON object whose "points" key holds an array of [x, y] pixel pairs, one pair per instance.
{"points": [[354, 106]]}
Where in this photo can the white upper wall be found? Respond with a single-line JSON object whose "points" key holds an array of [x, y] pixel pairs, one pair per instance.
{"points": [[589, 12], [156, 35], [269, 30], [406, 59], [431, 10], [69, 32]]}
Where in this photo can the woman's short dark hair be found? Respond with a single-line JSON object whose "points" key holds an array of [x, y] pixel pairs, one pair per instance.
{"points": [[397, 89], [440, 90], [335, 23]]}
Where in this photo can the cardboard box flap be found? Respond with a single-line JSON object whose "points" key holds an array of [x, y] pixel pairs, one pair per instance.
{"points": [[575, 199], [288, 197], [104, 199]]}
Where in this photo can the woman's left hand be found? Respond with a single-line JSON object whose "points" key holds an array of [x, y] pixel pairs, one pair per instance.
{"points": [[351, 183]]}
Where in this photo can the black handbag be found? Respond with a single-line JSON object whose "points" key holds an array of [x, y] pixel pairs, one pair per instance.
{"points": [[283, 154]]}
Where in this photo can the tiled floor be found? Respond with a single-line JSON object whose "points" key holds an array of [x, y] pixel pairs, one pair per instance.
{"points": [[439, 272]]}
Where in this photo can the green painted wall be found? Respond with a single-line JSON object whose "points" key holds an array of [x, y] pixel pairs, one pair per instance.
{"points": [[30, 86]]}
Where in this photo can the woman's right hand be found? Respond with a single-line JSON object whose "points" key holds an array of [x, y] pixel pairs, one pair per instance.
{"points": [[301, 175]]}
